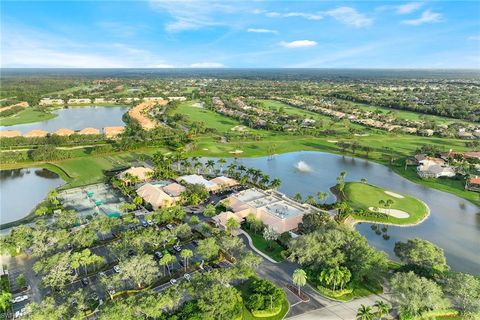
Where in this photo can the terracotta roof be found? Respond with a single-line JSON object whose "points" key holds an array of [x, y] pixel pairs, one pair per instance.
{"points": [[472, 154], [36, 133], [474, 180], [89, 131], [174, 189], [113, 131], [222, 180], [10, 133], [64, 132], [141, 173]]}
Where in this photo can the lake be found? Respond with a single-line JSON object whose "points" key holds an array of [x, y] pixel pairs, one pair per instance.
{"points": [[454, 223], [23, 189], [76, 118]]}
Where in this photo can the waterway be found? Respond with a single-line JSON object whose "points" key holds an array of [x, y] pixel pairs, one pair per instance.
{"points": [[21, 190], [76, 118], [454, 223]]}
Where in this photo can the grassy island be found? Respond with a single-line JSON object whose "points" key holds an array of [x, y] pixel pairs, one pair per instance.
{"points": [[372, 203]]}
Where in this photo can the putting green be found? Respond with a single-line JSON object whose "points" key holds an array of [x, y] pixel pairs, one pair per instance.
{"points": [[371, 202]]}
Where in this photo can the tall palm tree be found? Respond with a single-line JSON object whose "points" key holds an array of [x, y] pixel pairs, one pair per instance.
{"points": [[322, 196], [221, 162], [297, 197], [365, 313], [311, 200], [210, 165], [186, 254], [299, 278], [382, 308], [275, 183]]}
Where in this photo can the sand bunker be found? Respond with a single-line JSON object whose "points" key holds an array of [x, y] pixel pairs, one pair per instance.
{"points": [[393, 194], [391, 212], [236, 151], [332, 141]]}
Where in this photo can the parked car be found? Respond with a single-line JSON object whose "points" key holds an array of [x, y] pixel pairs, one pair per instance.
{"points": [[158, 255], [20, 298], [195, 242], [102, 274], [144, 224], [94, 296], [171, 250], [169, 226], [131, 252], [150, 222], [173, 281], [187, 276], [85, 281], [116, 269], [177, 248]]}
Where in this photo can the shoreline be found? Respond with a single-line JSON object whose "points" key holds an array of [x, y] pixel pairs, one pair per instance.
{"points": [[352, 221]]}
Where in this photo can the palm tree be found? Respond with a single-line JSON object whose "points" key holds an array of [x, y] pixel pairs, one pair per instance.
{"points": [[186, 254], [311, 200], [388, 203], [265, 180], [299, 278], [382, 308], [275, 183], [381, 203], [221, 162], [364, 180], [297, 197], [322, 196], [365, 313], [210, 165]]}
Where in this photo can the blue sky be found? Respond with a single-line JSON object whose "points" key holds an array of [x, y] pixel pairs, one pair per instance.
{"points": [[324, 34]]}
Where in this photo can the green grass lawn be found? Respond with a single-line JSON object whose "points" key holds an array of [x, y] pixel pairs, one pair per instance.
{"points": [[26, 116], [362, 196], [261, 244], [360, 290], [210, 118]]}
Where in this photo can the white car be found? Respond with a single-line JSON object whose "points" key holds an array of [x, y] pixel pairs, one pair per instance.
{"points": [[173, 281], [20, 298], [150, 222], [116, 269], [169, 226], [187, 276]]}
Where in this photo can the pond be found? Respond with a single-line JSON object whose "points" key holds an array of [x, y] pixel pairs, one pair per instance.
{"points": [[23, 189], [454, 223], [76, 118]]}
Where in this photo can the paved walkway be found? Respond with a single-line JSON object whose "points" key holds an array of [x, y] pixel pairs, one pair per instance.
{"points": [[250, 244]]}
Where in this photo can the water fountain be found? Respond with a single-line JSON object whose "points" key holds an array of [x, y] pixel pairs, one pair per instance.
{"points": [[303, 166]]}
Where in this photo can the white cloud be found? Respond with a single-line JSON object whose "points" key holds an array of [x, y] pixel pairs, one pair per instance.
{"points": [[408, 7], [474, 38], [254, 30], [161, 66], [298, 44], [27, 47], [191, 14], [308, 16], [426, 17], [207, 65], [350, 16]]}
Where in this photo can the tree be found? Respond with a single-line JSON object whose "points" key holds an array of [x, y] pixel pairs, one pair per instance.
{"points": [[194, 220], [335, 276], [365, 313], [208, 249], [464, 290], [383, 308], [313, 221], [232, 224], [311, 200], [413, 295], [322, 196], [299, 278], [84, 238], [297, 197], [65, 218], [165, 261], [41, 211], [275, 183], [139, 269], [5, 298], [422, 253], [46, 310], [209, 210], [219, 302], [334, 245], [59, 273], [186, 254], [270, 235]]}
